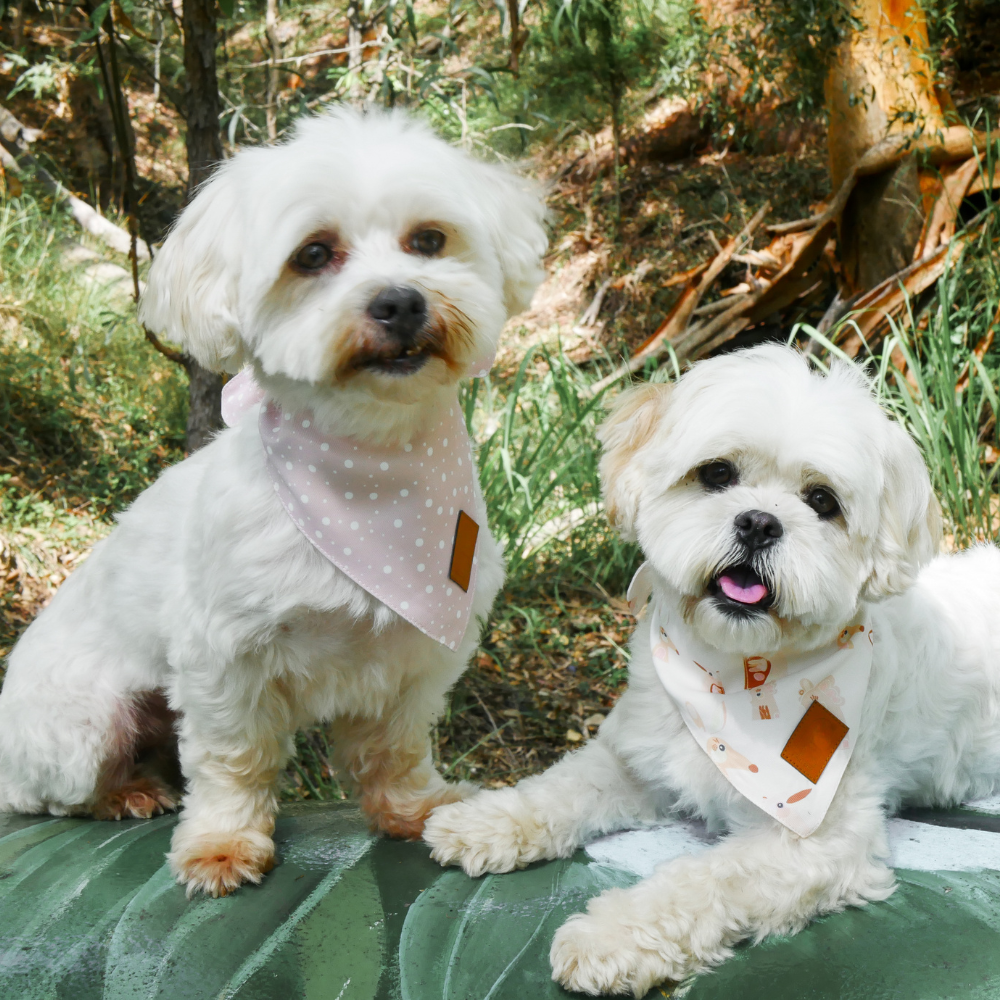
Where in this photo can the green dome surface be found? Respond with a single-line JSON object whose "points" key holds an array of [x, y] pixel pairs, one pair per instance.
{"points": [[89, 911]]}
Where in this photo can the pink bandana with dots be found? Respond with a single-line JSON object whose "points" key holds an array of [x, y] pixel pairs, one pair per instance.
{"points": [[389, 518]]}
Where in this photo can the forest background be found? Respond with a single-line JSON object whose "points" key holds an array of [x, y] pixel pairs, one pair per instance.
{"points": [[718, 174]]}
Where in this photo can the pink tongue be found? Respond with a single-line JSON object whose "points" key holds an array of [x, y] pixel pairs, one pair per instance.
{"points": [[745, 595]]}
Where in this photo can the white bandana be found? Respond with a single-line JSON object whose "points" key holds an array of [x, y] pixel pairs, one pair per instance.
{"points": [[401, 523], [780, 730]]}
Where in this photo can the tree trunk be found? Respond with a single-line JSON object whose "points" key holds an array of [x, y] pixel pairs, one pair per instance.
{"points": [[879, 85], [355, 52], [271, 27], [204, 153], [204, 406]]}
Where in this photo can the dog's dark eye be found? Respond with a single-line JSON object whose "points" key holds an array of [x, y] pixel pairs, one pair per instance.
{"points": [[427, 242], [313, 257], [717, 475], [823, 502]]}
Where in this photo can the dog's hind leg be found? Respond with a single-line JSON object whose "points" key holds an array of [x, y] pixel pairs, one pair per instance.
{"points": [[73, 752], [142, 761], [586, 794]]}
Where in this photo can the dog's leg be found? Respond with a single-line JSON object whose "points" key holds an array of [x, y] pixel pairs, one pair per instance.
{"points": [[587, 793], [389, 759], [142, 728], [232, 747], [689, 914]]}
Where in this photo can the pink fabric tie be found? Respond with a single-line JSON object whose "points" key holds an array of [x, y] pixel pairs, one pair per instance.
{"points": [[388, 518]]}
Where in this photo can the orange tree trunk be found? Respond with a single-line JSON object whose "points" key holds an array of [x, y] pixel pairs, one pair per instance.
{"points": [[879, 85]]}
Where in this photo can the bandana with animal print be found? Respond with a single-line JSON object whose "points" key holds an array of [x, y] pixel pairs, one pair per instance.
{"points": [[401, 522], [780, 729]]}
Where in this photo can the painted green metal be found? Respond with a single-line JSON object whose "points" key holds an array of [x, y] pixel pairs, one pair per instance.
{"points": [[88, 911]]}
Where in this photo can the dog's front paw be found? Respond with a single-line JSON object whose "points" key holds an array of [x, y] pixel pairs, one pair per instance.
{"points": [[217, 864], [598, 955], [492, 832]]}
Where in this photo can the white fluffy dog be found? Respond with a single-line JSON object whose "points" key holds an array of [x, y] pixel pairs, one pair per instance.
{"points": [[775, 507], [359, 269]]}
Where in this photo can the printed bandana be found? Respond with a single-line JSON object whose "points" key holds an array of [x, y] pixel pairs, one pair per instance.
{"points": [[401, 523], [781, 730]]}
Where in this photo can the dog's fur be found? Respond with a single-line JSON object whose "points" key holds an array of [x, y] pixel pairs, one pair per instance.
{"points": [[206, 591], [930, 733]]}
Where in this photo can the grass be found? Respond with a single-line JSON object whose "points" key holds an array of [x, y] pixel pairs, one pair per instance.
{"points": [[89, 414]]}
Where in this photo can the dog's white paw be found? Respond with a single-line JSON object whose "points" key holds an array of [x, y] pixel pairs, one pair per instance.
{"points": [[491, 832], [219, 864], [600, 956]]}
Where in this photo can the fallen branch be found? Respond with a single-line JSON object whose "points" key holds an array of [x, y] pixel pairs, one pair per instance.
{"points": [[829, 214], [939, 226], [678, 318], [953, 144], [890, 296], [12, 137], [958, 142]]}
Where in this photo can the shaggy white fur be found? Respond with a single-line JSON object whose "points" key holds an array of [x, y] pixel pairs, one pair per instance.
{"points": [[930, 732], [206, 591]]}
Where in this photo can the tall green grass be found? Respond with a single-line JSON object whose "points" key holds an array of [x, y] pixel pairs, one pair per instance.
{"points": [[938, 373], [538, 459]]}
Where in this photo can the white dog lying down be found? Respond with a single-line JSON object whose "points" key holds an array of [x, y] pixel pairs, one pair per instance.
{"points": [[781, 513], [360, 269]]}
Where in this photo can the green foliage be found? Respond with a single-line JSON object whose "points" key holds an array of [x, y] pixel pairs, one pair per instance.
{"points": [[538, 459], [90, 412], [588, 53]]}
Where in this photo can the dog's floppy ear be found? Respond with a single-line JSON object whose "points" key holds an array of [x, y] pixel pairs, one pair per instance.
{"points": [[634, 418], [909, 532], [191, 292], [516, 221]]}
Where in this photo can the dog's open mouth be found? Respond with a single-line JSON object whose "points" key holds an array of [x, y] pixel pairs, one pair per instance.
{"points": [[406, 362], [741, 588]]}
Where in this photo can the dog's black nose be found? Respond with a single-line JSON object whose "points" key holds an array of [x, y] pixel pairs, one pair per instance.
{"points": [[401, 310], [758, 530]]}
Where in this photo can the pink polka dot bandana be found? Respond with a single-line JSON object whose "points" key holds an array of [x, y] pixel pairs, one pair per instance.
{"points": [[385, 517]]}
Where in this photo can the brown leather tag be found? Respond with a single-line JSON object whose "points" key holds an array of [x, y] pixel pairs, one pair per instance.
{"points": [[466, 533], [814, 741]]}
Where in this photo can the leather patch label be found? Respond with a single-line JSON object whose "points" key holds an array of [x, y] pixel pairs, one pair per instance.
{"points": [[466, 533], [814, 741], [755, 671]]}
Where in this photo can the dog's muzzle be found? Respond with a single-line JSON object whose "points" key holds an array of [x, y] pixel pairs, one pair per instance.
{"points": [[404, 340], [741, 589]]}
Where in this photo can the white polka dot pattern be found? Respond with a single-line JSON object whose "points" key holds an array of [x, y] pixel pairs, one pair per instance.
{"points": [[374, 512]]}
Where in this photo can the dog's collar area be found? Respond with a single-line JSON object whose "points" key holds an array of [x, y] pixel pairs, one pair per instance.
{"points": [[780, 726], [741, 591], [401, 523]]}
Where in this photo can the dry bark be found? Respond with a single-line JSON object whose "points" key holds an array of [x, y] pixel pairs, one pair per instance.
{"points": [[201, 91], [204, 153]]}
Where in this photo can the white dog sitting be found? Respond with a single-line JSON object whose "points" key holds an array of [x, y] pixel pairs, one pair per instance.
{"points": [[360, 270], [797, 610]]}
